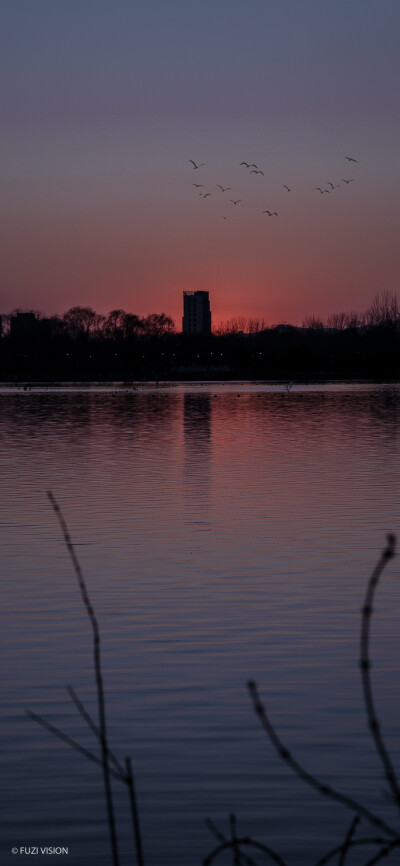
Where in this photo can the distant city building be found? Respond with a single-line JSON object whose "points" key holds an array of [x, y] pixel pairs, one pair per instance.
{"points": [[196, 313]]}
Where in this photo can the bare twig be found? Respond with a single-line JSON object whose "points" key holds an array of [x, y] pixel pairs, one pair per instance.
{"points": [[98, 673], [221, 838], [348, 838], [125, 776], [325, 790], [384, 852], [93, 727], [244, 840], [354, 843], [134, 812], [365, 667], [214, 830], [72, 743]]}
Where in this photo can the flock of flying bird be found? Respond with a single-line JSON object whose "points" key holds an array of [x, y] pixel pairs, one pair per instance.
{"points": [[254, 169]]}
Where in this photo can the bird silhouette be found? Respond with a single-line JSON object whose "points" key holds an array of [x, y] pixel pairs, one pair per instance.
{"points": [[198, 185], [331, 184], [270, 213], [206, 194], [319, 188], [258, 171], [195, 165], [237, 201], [223, 189], [287, 187], [351, 159], [344, 179]]}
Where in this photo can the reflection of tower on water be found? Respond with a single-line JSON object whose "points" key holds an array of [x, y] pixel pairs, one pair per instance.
{"points": [[197, 459]]}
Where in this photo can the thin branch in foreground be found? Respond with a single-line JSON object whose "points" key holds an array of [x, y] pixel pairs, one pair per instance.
{"points": [[349, 835], [384, 852], [125, 776], [134, 812], [244, 840], [74, 745], [221, 838], [93, 727], [365, 667], [98, 674], [214, 830], [325, 790], [354, 843]]}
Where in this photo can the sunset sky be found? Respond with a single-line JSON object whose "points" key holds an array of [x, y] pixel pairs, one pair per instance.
{"points": [[104, 104]]}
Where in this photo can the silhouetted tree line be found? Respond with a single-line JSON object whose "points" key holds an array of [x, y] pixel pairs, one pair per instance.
{"points": [[83, 345]]}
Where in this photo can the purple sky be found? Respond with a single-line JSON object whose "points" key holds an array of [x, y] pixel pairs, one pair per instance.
{"points": [[102, 107]]}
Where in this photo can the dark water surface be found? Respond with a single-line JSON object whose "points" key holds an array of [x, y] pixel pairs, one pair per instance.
{"points": [[226, 532]]}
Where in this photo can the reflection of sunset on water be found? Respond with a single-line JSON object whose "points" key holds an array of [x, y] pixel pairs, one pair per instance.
{"points": [[226, 531]]}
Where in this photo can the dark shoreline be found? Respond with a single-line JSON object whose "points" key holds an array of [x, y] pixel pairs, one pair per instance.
{"points": [[23, 384]]}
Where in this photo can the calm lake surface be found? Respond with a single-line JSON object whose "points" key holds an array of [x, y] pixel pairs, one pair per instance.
{"points": [[226, 533]]}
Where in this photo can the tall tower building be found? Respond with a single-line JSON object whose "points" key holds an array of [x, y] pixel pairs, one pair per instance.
{"points": [[196, 313]]}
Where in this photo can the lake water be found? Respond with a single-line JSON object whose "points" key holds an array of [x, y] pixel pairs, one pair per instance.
{"points": [[226, 533]]}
